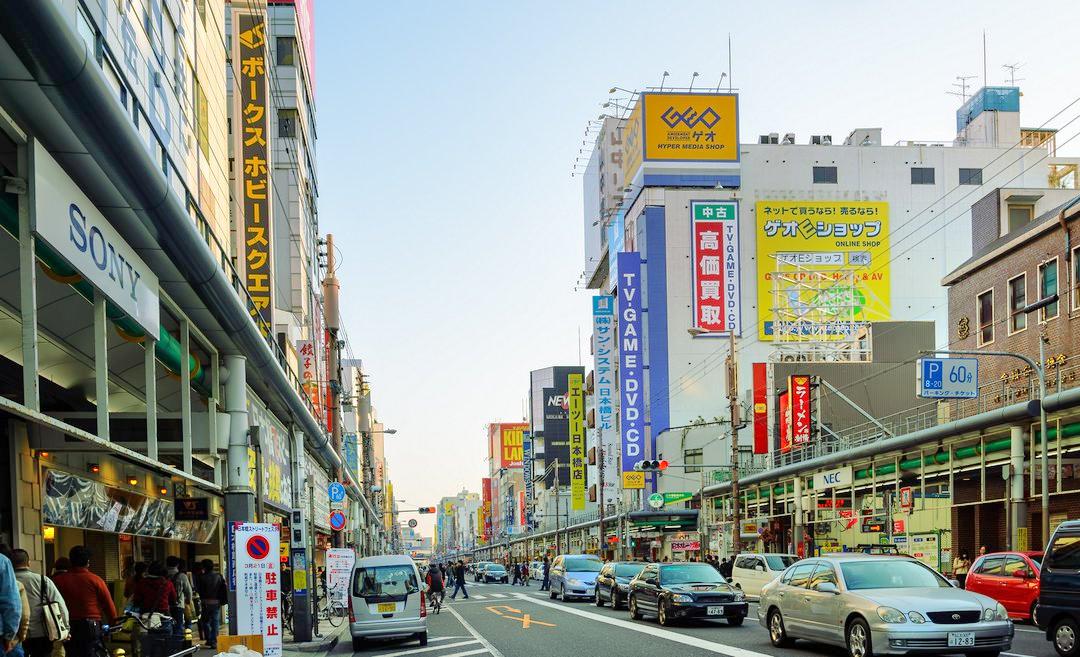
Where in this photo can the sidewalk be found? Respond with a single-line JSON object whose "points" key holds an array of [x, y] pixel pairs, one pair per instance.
{"points": [[324, 644]]}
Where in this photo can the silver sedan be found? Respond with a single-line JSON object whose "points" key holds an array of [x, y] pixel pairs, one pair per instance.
{"points": [[881, 605]]}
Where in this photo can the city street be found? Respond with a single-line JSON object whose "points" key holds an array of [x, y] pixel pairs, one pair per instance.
{"points": [[511, 621]]}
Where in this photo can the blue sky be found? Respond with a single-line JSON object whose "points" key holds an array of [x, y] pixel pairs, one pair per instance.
{"points": [[447, 131]]}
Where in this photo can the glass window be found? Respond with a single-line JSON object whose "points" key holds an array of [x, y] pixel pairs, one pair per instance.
{"points": [[582, 565], [287, 122], [690, 573], [780, 561], [823, 574], [1015, 565], [628, 569], [742, 562], [800, 576], [896, 573], [985, 307], [86, 30], [1017, 302], [824, 175], [202, 120], [989, 566], [922, 175], [1064, 553], [970, 176], [1076, 279], [692, 458], [1020, 216], [1048, 286], [286, 51], [381, 582]]}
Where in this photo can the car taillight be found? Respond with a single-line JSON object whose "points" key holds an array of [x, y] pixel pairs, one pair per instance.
{"points": [[352, 615], [423, 605]]}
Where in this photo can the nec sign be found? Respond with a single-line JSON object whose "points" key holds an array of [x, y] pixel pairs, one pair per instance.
{"points": [[832, 478]]}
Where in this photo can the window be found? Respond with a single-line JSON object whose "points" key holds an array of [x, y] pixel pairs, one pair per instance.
{"points": [[385, 582], [1014, 565], [800, 576], [824, 175], [1076, 279], [985, 311], [823, 574], [1020, 216], [202, 120], [287, 122], [780, 561], [922, 175], [286, 51], [1048, 286], [1064, 553], [970, 176], [899, 574], [201, 6], [989, 566], [1017, 302], [692, 459]]}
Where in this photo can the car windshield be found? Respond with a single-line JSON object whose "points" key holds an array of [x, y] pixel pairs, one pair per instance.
{"points": [[690, 573], [384, 582], [890, 574], [628, 569], [496, 569], [583, 565], [780, 561]]}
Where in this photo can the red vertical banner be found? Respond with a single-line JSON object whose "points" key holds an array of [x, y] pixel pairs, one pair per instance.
{"points": [[761, 409], [715, 267], [799, 393], [521, 508], [785, 422], [485, 490]]}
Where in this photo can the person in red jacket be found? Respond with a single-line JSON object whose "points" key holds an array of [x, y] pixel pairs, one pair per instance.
{"points": [[155, 598], [88, 601]]}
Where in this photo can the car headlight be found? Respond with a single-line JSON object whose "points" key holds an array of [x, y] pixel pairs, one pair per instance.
{"points": [[891, 615], [678, 597], [916, 617], [1000, 613], [739, 595]]}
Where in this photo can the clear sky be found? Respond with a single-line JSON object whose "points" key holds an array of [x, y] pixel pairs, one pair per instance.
{"points": [[447, 132]]}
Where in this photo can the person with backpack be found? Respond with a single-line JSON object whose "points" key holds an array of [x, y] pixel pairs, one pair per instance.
{"points": [[212, 592], [40, 591], [436, 586]]}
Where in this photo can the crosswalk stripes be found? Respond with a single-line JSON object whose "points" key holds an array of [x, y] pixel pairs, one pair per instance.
{"points": [[417, 651]]}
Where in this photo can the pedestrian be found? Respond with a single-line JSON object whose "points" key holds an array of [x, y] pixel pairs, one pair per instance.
{"points": [[212, 592], [89, 603], [156, 600], [982, 551], [524, 573], [726, 566], [40, 591], [14, 611], [960, 567], [60, 566], [185, 594], [545, 583], [459, 581], [515, 569], [135, 573]]}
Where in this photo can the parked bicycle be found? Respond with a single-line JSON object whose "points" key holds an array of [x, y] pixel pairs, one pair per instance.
{"points": [[154, 641]]}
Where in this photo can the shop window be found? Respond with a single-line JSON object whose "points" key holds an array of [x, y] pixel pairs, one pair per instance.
{"points": [[692, 459], [970, 176], [922, 175], [824, 175], [1017, 303], [1048, 286], [287, 119], [985, 311]]}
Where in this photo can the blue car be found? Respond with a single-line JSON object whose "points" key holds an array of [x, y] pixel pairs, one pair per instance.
{"points": [[574, 576]]}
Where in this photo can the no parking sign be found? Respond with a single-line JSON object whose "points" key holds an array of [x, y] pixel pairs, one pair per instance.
{"points": [[255, 574]]}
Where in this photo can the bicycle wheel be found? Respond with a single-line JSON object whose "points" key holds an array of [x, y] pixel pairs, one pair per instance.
{"points": [[334, 616]]}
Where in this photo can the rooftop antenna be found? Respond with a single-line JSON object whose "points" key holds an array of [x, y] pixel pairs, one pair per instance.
{"points": [[728, 62], [1012, 69], [962, 85]]}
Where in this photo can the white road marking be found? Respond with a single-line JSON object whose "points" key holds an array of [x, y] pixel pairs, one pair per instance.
{"points": [[1029, 630], [417, 651], [495, 652], [467, 652], [478, 597], [1013, 654], [658, 632], [499, 595], [446, 638]]}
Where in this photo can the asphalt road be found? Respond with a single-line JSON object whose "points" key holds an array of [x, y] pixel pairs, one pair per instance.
{"points": [[511, 621]]}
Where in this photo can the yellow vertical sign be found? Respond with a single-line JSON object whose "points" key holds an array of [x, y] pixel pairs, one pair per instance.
{"points": [[632, 148], [577, 441]]}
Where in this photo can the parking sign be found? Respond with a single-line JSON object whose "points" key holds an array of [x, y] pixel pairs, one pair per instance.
{"points": [[947, 378]]}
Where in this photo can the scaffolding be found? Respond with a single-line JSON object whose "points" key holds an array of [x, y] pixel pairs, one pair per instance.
{"points": [[817, 312]]}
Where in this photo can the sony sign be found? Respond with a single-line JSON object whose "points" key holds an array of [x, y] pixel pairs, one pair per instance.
{"points": [[63, 216]]}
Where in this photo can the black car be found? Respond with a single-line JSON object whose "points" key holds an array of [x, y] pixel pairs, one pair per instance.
{"points": [[1058, 610], [675, 591], [613, 582]]}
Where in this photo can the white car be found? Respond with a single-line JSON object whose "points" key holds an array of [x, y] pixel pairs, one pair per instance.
{"points": [[386, 600], [536, 570], [752, 571]]}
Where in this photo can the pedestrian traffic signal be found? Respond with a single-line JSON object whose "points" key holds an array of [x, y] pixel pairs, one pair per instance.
{"points": [[651, 465], [426, 509]]}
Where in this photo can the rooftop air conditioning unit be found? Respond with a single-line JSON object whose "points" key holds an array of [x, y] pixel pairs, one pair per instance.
{"points": [[774, 137], [763, 139], [815, 140]]}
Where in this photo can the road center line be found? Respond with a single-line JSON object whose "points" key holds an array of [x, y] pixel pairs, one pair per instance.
{"points": [[416, 651], [684, 639], [476, 635]]}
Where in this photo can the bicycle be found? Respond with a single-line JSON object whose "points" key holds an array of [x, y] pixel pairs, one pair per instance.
{"points": [[333, 610], [287, 612], [159, 641]]}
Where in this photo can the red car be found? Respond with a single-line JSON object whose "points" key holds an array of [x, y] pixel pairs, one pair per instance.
{"points": [[1011, 578]]}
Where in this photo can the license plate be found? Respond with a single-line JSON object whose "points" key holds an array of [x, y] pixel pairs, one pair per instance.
{"points": [[390, 607], [714, 611], [961, 639]]}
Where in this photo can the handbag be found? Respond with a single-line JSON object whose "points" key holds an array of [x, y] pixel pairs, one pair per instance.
{"points": [[56, 626]]}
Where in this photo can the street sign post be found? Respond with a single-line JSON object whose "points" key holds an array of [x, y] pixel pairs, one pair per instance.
{"points": [[656, 500], [947, 378], [337, 521], [336, 491]]}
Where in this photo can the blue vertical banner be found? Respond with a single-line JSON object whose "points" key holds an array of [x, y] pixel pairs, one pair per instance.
{"points": [[603, 307], [631, 393]]}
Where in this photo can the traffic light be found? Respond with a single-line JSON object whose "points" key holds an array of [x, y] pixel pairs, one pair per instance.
{"points": [[649, 466], [426, 509]]}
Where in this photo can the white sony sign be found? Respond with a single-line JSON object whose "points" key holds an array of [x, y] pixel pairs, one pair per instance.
{"points": [[833, 478], [62, 216]]}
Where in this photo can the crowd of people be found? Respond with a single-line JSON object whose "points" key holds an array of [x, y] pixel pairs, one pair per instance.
{"points": [[67, 613]]}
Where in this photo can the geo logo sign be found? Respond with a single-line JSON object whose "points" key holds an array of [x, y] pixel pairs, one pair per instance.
{"points": [[695, 127], [715, 265], [690, 117]]}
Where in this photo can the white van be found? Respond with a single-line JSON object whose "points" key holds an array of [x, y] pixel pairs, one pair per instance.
{"points": [[751, 571], [386, 600]]}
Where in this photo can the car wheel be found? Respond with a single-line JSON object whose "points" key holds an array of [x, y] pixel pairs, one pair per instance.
{"points": [[858, 639], [1065, 638], [357, 644], [422, 636], [662, 615], [777, 632], [615, 600], [1032, 611], [635, 613], [736, 621], [597, 600], [562, 592]]}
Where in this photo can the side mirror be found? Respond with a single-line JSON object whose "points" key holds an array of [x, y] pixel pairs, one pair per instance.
{"points": [[955, 583], [759, 567], [826, 587]]}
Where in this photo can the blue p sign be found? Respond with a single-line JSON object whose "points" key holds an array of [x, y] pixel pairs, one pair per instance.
{"points": [[932, 374]]}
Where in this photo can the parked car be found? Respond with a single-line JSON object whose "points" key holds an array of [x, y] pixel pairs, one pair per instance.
{"points": [[536, 570], [574, 575], [613, 582], [881, 605], [494, 572], [1011, 578], [386, 600], [675, 591], [1058, 612], [751, 571]]}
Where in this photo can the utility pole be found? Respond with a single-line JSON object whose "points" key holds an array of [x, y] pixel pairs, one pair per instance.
{"points": [[733, 407], [331, 291], [558, 545], [600, 496]]}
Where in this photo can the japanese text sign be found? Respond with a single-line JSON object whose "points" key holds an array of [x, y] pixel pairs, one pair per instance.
{"points": [[799, 399], [577, 441], [256, 573], [632, 412], [715, 265], [761, 409], [605, 398]]}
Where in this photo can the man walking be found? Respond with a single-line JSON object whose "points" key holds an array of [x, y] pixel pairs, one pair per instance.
{"points": [[88, 601], [211, 589], [459, 580], [545, 583], [40, 591]]}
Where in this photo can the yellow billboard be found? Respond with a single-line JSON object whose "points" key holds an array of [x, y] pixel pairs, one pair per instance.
{"points": [[690, 127], [847, 240], [631, 155]]}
